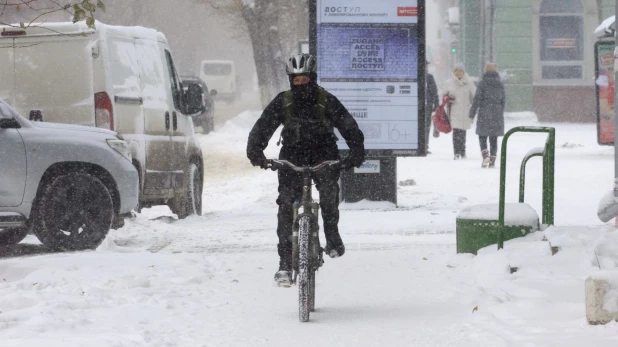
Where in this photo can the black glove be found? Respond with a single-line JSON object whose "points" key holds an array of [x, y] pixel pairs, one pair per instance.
{"points": [[257, 158], [355, 159]]}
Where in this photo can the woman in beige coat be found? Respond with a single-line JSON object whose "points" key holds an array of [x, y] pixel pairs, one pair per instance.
{"points": [[461, 90]]}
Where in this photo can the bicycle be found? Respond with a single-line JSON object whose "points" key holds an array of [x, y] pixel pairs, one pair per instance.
{"points": [[307, 255]]}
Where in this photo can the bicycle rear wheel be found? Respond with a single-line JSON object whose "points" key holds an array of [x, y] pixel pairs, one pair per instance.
{"points": [[304, 269]]}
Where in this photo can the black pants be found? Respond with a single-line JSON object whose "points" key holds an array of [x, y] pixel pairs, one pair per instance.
{"points": [[428, 122], [493, 144], [459, 141], [290, 190]]}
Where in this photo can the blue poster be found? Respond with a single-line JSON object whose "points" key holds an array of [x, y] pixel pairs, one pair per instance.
{"points": [[368, 55]]}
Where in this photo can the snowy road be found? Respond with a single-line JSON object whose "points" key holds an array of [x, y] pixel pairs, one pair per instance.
{"points": [[207, 281]]}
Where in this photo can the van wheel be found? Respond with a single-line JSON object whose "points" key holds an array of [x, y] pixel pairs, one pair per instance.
{"points": [[75, 212], [12, 236], [191, 202]]}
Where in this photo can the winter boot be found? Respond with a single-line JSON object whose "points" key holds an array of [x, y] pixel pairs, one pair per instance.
{"points": [[334, 251], [334, 245], [485, 154], [492, 161], [283, 277]]}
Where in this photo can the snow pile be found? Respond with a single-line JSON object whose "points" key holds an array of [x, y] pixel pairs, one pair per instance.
{"points": [[224, 150], [610, 303], [514, 214], [526, 282]]}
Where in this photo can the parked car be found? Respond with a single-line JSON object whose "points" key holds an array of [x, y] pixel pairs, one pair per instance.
{"points": [[221, 75], [206, 113], [118, 78], [68, 184]]}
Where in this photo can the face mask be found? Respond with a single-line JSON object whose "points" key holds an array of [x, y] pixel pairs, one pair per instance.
{"points": [[305, 93]]}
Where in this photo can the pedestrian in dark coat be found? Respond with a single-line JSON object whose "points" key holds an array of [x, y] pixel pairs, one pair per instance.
{"points": [[489, 100], [432, 102]]}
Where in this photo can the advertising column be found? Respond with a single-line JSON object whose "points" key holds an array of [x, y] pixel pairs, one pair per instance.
{"points": [[604, 52], [371, 57]]}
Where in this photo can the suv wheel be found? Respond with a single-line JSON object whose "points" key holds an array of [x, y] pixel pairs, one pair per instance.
{"points": [[12, 236], [191, 202], [75, 212]]}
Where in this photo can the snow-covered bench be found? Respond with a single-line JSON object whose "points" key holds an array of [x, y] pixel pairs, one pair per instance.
{"points": [[477, 226]]}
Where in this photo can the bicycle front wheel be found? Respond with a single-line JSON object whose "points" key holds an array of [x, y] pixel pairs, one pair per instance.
{"points": [[311, 291], [304, 269]]}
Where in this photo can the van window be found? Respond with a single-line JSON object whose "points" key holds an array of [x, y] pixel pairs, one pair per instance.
{"points": [[124, 68], [152, 71], [176, 92], [216, 69]]}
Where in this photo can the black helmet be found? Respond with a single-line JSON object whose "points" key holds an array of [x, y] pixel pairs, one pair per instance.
{"points": [[301, 64]]}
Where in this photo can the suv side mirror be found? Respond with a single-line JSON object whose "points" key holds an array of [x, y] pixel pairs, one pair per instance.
{"points": [[194, 99], [9, 123]]}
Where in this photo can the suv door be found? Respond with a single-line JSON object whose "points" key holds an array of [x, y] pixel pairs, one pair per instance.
{"points": [[181, 125], [12, 162]]}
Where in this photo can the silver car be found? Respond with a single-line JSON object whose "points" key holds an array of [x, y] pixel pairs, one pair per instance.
{"points": [[69, 184]]}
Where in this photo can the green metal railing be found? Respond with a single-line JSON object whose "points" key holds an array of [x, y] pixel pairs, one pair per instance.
{"points": [[549, 154]]}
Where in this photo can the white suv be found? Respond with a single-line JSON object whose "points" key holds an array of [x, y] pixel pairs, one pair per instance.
{"points": [[67, 183]]}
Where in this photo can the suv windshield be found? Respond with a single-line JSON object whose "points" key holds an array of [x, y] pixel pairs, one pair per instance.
{"points": [[6, 111], [217, 69]]}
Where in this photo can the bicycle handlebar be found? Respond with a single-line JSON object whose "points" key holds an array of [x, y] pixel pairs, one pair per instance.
{"points": [[276, 164]]}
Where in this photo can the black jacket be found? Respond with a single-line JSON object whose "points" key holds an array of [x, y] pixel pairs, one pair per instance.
{"points": [[315, 143], [489, 100], [432, 101]]}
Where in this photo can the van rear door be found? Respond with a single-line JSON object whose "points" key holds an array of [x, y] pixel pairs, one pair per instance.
{"points": [[54, 74]]}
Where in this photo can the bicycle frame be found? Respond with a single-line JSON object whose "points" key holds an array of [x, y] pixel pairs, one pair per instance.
{"points": [[309, 207], [306, 251]]}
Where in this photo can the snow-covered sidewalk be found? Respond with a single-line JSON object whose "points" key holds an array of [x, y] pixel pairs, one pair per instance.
{"points": [[207, 281]]}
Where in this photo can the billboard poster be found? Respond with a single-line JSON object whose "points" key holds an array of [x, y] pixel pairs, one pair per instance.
{"points": [[604, 57], [368, 56]]}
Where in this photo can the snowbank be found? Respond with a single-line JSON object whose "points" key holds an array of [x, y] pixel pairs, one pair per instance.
{"points": [[514, 214], [610, 299]]}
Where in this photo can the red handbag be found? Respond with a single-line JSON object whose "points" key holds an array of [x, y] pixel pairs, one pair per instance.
{"points": [[440, 118]]}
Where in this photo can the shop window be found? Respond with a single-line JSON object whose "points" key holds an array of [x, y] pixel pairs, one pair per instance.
{"points": [[562, 39]]}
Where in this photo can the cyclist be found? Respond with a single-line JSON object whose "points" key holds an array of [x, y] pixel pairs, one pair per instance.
{"points": [[309, 115]]}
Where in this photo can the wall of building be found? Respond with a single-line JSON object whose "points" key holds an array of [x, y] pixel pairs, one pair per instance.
{"points": [[512, 39], [508, 32]]}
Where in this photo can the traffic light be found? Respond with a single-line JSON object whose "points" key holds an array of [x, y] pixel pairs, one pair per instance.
{"points": [[453, 50]]}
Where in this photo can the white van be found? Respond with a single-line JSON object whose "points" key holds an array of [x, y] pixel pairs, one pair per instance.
{"points": [[221, 76], [117, 78]]}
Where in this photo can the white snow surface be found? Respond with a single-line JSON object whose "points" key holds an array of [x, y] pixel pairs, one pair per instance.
{"points": [[207, 280], [514, 214]]}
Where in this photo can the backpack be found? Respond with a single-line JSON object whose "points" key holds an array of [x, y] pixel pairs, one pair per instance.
{"points": [[292, 123]]}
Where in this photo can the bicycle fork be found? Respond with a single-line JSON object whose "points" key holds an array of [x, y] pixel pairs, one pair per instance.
{"points": [[314, 238]]}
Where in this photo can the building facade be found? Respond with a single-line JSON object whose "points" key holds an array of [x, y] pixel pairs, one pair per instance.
{"points": [[545, 48]]}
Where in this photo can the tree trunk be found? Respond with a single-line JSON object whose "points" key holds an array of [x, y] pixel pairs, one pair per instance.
{"points": [[261, 21]]}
